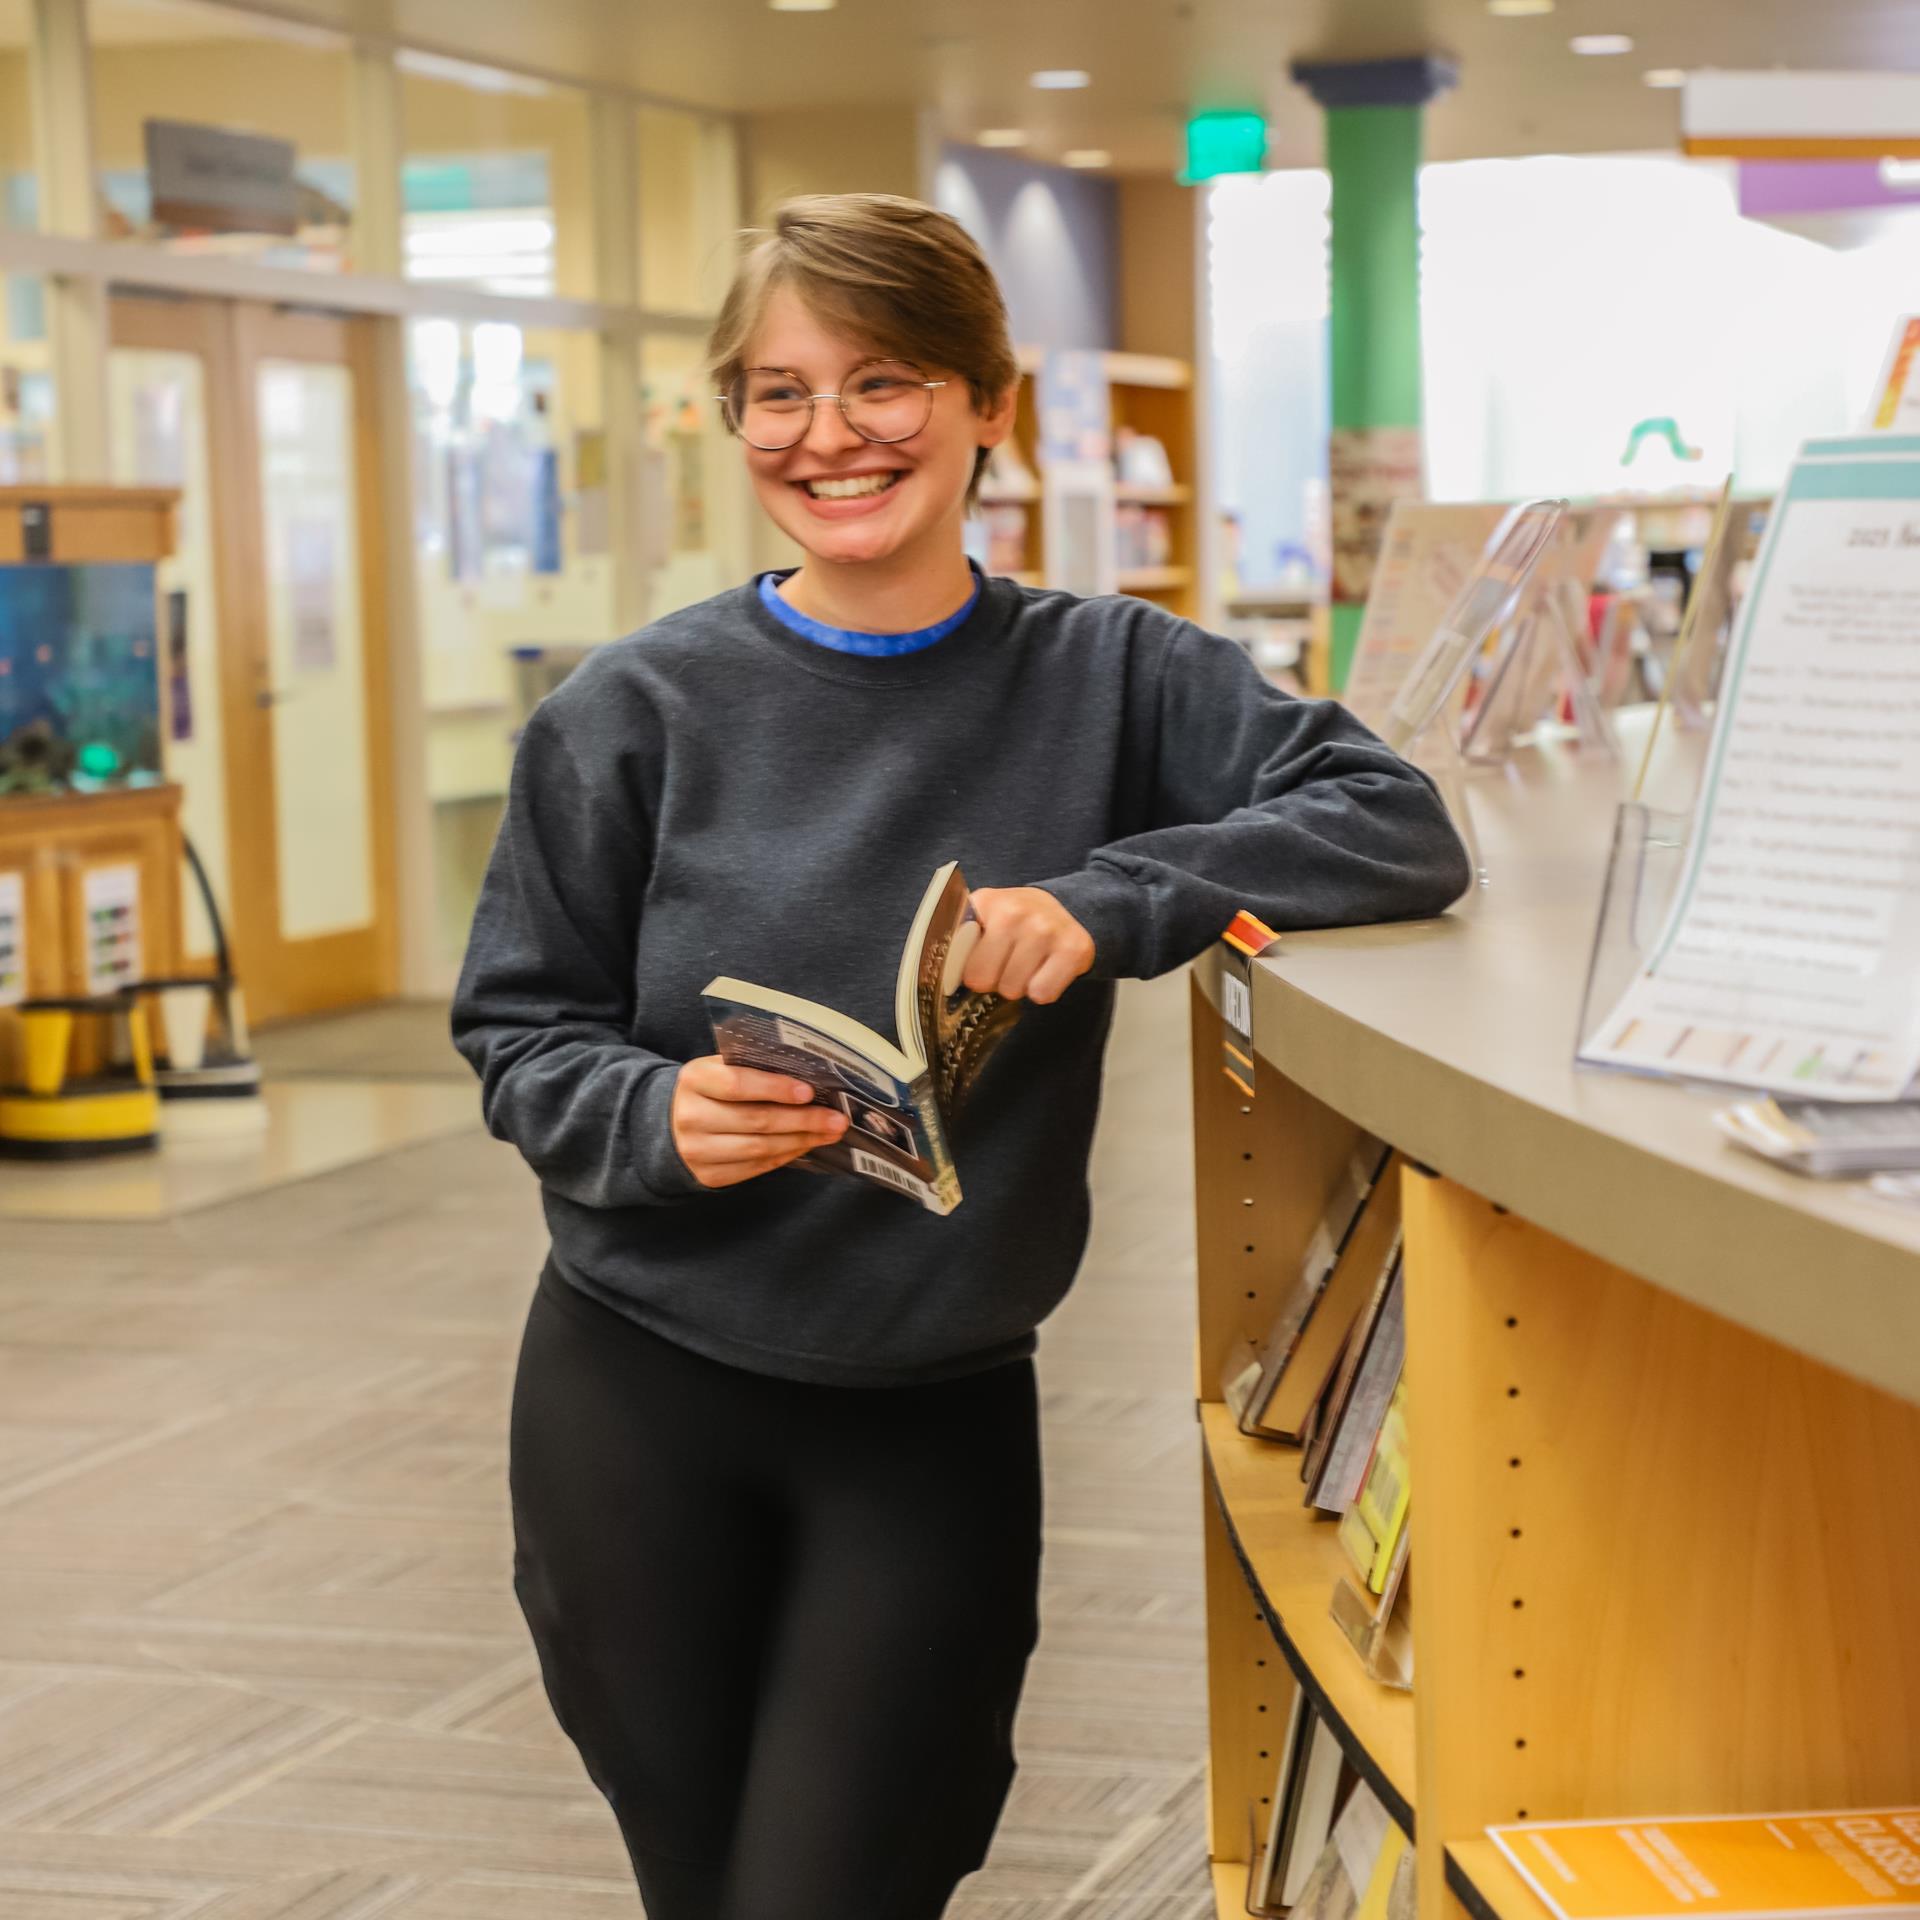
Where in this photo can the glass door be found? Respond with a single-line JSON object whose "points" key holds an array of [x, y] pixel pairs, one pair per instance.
{"points": [[292, 633]]}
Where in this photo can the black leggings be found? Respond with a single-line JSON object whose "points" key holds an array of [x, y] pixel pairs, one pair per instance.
{"points": [[785, 1625]]}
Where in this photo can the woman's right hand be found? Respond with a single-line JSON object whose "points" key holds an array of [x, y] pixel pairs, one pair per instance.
{"points": [[734, 1123]]}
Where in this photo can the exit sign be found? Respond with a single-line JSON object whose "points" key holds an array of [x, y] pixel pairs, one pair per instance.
{"points": [[1220, 143]]}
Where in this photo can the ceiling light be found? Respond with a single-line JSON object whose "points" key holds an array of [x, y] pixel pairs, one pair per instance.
{"points": [[1002, 137], [1602, 43], [1088, 157], [802, 6], [1665, 76], [1516, 9], [1060, 79], [1901, 176]]}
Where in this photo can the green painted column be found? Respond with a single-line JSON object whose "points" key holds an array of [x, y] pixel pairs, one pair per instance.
{"points": [[1374, 126]]}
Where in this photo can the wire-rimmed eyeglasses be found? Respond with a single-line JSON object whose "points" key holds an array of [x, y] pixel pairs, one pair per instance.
{"points": [[771, 409]]}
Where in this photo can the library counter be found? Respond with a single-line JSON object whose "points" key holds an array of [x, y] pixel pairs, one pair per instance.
{"points": [[1454, 1040], [1663, 1399]]}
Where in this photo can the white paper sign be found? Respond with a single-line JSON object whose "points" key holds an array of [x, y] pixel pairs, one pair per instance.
{"points": [[110, 899], [13, 940], [1791, 958]]}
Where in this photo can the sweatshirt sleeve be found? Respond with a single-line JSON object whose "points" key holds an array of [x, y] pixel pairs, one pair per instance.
{"points": [[545, 1004], [1287, 807]]}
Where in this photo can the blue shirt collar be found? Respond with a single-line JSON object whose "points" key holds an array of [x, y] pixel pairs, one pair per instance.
{"points": [[842, 640]]}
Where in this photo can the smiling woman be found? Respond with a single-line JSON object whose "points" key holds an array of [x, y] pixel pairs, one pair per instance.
{"points": [[864, 362]]}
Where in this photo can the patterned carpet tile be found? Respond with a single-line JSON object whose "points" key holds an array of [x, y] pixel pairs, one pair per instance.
{"points": [[259, 1654]]}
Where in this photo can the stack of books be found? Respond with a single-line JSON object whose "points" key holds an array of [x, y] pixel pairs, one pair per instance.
{"points": [[1328, 1379]]}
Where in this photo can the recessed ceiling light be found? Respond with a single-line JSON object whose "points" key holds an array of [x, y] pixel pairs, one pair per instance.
{"points": [[1602, 43], [1088, 157], [1902, 176], [1002, 137], [1060, 79], [803, 6], [1665, 76], [1515, 9]]}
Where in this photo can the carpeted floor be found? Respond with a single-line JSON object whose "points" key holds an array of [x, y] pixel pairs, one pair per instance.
{"points": [[259, 1655]]}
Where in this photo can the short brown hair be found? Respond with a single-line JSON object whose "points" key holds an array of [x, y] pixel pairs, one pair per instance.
{"points": [[896, 273]]}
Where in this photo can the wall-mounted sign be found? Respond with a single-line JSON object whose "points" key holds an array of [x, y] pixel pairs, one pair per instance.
{"points": [[214, 181]]}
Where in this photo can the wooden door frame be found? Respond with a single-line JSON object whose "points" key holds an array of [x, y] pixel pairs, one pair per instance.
{"points": [[231, 339]]}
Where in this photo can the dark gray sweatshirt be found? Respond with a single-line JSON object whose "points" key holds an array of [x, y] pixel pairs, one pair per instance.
{"points": [[718, 794]]}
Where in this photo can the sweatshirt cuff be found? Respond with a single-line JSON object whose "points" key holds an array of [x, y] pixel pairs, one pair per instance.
{"points": [[1114, 910], [655, 1156]]}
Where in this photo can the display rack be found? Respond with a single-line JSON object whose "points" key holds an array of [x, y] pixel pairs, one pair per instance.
{"points": [[1664, 1404]]}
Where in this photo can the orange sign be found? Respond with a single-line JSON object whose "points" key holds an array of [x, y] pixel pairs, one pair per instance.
{"points": [[1859, 1862]]}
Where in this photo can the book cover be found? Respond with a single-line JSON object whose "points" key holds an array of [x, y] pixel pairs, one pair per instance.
{"points": [[1346, 1379], [901, 1098], [1251, 1374], [1302, 1376], [1863, 1861], [1374, 1523], [1379, 1373]]}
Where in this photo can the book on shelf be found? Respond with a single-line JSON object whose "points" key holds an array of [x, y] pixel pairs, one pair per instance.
{"points": [[1318, 1316], [1374, 1524], [1268, 1872], [901, 1100], [1378, 1626], [1355, 1402], [1375, 1377], [1362, 1869], [1851, 1862]]}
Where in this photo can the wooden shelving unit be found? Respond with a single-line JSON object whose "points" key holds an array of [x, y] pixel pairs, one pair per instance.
{"points": [[1291, 1562], [1664, 1403], [1148, 393]]}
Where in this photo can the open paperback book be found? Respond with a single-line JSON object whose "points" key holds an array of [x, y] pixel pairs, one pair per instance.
{"points": [[900, 1100]]}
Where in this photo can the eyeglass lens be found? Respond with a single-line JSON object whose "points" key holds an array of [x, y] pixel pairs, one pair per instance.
{"points": [[883, 401]]}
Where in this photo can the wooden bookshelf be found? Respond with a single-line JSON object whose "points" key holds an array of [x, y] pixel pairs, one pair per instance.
{"points": [[1292, 1561], [1155, 580], [1664, 1399], [1483, 1880], [1150, 394]]}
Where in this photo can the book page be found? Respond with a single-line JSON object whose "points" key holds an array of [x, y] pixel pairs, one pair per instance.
{"points": [[1791, 958], [957, 1028]]}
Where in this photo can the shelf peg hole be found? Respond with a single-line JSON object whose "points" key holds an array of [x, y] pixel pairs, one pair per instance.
{"points": [[1513, 1393], [1519, 1743], [1518, 1604], [1515, 1531], [1511, 1321], [1519, 1673], [1515, 1461]]}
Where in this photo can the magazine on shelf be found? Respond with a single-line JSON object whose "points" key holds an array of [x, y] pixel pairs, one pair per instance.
{"points": [[900, 1100], [1852, 1861]]}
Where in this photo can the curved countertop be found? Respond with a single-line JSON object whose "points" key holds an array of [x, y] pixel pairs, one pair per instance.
{"points": [[1454, 1039]]}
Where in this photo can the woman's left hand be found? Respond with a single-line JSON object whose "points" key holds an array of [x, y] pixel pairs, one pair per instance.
{"points": [[1030, 948]]}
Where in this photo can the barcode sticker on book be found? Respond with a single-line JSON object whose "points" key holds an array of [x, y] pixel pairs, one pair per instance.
{"points": [[885, 1170]]}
